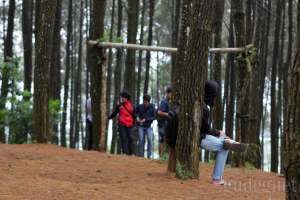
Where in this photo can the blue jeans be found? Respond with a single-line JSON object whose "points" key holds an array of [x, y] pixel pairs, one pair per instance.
{"points": [[142, 132], [215, 144]]}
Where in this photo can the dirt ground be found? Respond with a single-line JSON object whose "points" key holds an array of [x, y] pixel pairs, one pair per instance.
{"points": [[51, 172]]}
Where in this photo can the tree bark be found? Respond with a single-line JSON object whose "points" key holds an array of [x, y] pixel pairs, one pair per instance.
{"points": [[274, 119], [67, 74], [129, 75], [55, 79], [27, 42], [292, 136], [191, 86], [8, 53], [218, 114], [140, 61], [117, 78], [243, 78], [150, 37], [42, 69], [97, 65]]}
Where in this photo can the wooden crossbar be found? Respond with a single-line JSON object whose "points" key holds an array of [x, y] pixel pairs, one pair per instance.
{"points": [[162, 49]]}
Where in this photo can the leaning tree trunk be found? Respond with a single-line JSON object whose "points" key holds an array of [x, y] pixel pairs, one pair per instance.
{"points": [[42, 69], [8, 53], [27, 42], [129, 75], [148, 54], [97, 65], [292, 132], [191, 85], [218, 114]]}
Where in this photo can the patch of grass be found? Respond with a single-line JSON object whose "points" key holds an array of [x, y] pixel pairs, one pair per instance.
{"points": [[182, 173], [249, 166], [164, 158]]}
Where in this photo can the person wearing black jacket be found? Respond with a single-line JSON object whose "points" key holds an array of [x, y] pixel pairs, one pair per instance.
{"points": [[145, 114], [210, 139]]}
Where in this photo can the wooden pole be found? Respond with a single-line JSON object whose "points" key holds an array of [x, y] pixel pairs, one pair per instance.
{"points": [[162, 49]]}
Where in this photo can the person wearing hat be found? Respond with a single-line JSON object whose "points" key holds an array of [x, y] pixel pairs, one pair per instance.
{"points": [[125, 110], [162, 113]]}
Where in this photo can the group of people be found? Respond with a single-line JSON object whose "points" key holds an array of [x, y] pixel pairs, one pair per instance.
{"points": [[140, 118]]}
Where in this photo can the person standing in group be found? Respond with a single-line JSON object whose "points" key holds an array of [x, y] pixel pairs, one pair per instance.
{"points": [[125, 110], [162, 114], [145, 114]]}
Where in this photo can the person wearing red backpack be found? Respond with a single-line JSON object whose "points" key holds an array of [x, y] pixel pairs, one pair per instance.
{"points": [[125, 109]]}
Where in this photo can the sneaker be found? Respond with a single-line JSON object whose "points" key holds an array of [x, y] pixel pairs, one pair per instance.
{"points": [[221, 182], [235, 146]]}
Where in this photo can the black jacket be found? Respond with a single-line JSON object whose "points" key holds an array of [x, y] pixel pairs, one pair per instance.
{"points": [[147, 113], [172, 127]]}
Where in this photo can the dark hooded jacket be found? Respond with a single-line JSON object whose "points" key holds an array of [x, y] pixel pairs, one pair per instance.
{"points": [[211, 88]]}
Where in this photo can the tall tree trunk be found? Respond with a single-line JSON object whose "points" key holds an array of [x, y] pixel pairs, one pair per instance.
{"points": [[255, 90], [140, 61], [230, 103], [218, 115], [129, 75], [117, 78], [150, 37], [97, 65], [109, 68], [175, 29], [287, 65], [27, 42], [8, 53], [243, 78], [292, 132], [191, 85], [274, 119], [42, 69], [55, 80], [67, 75], [77, 93]]}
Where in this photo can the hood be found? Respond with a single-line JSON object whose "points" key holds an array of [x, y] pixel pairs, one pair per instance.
{"points": [[210, 92]]}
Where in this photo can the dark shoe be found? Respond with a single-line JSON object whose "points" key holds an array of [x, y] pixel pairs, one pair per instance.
{"points": [[235, 146]]}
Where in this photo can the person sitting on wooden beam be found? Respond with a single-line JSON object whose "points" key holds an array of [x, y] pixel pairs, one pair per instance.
{"points": [[210, 139]]}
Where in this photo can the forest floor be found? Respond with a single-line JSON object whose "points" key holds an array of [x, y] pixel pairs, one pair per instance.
{"points": [[51, 172]]}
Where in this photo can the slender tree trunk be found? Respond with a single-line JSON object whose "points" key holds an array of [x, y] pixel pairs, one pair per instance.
{"points": [[218, 115], [230, 104], [140, 62], [97, 65], [129, 76], [175, 29], [67, 75], [27, 42], [43, 49], [8, 53], [117, 78], [109, 68], [274, 119], [191, 85], [55, 79], [292, 136], [243, 78], [150, 37]]}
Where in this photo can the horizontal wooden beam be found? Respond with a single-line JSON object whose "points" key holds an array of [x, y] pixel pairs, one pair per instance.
{"points": [[161, 49]]}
